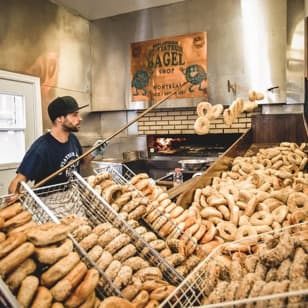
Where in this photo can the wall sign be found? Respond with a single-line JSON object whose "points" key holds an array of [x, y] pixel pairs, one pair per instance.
{"points": [[160, 66]]}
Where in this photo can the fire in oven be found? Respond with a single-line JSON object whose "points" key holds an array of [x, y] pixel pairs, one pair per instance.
{"points": [[191, 153], [189, 145]]}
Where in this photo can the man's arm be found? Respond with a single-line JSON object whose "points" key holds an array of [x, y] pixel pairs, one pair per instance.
{"points": [[87, 159], [98, 151], [15, 184]]}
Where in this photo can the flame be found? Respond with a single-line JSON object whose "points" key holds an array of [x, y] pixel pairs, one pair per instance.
{"points": [[167, 143]]}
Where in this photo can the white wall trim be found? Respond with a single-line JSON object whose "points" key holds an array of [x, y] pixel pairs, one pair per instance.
{"points": [[35, 81]]}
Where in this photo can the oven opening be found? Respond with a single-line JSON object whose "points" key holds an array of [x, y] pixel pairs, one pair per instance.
{"points": [[168, 145], [165, 152], [189, 145]]}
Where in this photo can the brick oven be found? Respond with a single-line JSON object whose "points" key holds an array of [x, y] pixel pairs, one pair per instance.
{"points": [[165, 152]]}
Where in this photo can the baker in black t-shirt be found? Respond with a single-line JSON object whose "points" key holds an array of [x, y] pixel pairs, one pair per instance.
{"points": [[56, 148]]}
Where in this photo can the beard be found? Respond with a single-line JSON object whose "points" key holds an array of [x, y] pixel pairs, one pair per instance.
{"points": [[69, 127]]}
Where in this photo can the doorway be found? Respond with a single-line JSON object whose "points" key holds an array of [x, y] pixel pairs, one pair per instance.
{"points": [[21, 121]]}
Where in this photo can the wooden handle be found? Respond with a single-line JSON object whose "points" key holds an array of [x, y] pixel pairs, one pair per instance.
{"points": [[107, 139]]}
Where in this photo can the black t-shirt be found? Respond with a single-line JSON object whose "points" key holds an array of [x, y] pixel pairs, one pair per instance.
{"points": [[47, 155]]}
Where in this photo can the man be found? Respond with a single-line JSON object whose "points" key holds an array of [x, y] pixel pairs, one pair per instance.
{"points": [[56, 148]]}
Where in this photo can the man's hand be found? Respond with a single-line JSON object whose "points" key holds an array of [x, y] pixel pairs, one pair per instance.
{"points": [[100, 149]]}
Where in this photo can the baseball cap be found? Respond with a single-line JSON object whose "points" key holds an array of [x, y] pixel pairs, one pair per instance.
{"points": [[61, 106]]}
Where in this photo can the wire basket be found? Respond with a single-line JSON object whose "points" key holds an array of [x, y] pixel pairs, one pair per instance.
{"points": [[123, 179], [79, 198], [120, 177], [191, 291], [7, 299], [42, 214]]}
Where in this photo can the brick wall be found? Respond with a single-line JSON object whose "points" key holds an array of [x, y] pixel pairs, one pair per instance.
{"points": [[182, 122]]}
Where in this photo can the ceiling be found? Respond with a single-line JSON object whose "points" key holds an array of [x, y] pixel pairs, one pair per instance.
{"points": [[96, 9]]}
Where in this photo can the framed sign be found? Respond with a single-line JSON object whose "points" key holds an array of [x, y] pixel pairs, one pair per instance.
{"points": [[160, 66]]}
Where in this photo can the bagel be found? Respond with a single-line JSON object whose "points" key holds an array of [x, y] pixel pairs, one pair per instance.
{"points": [[48, 233], [112, 192], [216, 111], [299, 216], [239, 247], [205, 249], [191, 230], [16, 257], [215, 200], [159, 223], [246, 231], [261, 218], [176, 212], [11, 243], [199, 233], [209, 233], [303, 163], [252, 95], [138, 177], [177, 232], [202, 126], [162, 197], [100, 178], [165, 252], [164, 204], [239, 104], [161, 293], [197, 195], [181, 218], [204, 109], [234, 215], [227, 230], [236, 107], [224, 211], [170, 207], [203, 202], [259, 96], [249, 106], [209, 212], [27, 290], [280, 213], [142, 184], [103, 185], [167, 228], [297, 201], [262, 229], [11, 211], [294, 158], [17, 221], [52, 253], [151, 217], [228, 116], [123, 199]]}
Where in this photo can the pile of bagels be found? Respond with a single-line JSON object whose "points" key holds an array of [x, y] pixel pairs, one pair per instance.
{"points": [[159, 216], [40, 265], [278, 264], [264, 191], [261, 192], [137, 279], [207, 112]]}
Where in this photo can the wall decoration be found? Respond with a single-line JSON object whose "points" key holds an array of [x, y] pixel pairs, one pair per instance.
{"points": [[160, 66]]}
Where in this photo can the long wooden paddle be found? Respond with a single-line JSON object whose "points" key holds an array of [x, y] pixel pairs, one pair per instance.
{"points": [[107, 139]]}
